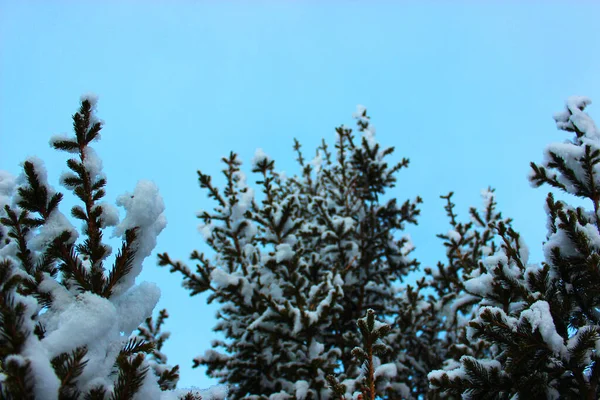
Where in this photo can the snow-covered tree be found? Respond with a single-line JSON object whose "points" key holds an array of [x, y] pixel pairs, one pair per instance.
{"points": [[66, 320], [428, 331], [542, 323], [298, 264]]}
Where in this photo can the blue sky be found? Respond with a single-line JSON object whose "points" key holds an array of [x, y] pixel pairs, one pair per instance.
{"points": [[465, 90]]}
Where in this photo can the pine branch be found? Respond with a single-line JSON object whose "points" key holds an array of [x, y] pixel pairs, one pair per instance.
{"points": [[136, 345], [131, 376], [151, 333], [195, 283], [68, 367], [338, 389], [18, 379], [72, 268], [123, 262], [19, 227], [96, 393], [88, 188]]}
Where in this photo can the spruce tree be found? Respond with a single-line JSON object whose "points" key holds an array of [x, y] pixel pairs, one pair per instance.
{"points": [[298, 264], [541, 323], [65, 318]]}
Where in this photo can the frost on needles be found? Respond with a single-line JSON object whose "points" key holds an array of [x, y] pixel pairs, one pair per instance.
{"points": [[67, 319]]}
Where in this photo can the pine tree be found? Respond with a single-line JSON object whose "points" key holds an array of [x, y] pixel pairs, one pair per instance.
{"points": [[541, 322], [65, 322], [299, 264]]}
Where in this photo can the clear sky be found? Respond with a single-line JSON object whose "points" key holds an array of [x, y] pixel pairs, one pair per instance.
{"points": [[465, 90]]}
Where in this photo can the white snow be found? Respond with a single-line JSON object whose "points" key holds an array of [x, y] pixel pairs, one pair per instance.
{"points": [[64, 176], [239, 209], [100, 324], [144, 210], [109, 215], [317, 162], [480, 285], [388, 370], [259, 156], [540, 319], [315, 349], [561, 240], [7, 187], [62, 137], [510, 321], [56, 223], [135, 305], [488, 197], [206, 230], [360, 110], [91, 97], [301, 389], [149, 388], [40, 171], [454, 236], [223, 279], [93, 164], [46, 381], [217, 392], [461, 301], [347, 222], [284, 252], [575, 117], [62, 299], [89, 319], [369, 136]]}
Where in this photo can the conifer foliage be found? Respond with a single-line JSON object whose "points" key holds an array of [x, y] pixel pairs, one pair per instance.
{"points": [[298, 264], [541, 323], [65, 318], [308, 272]]}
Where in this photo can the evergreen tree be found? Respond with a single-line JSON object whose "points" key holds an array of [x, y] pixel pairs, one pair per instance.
{"points": [[298, 265], [541, 323], [66, 322]]}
